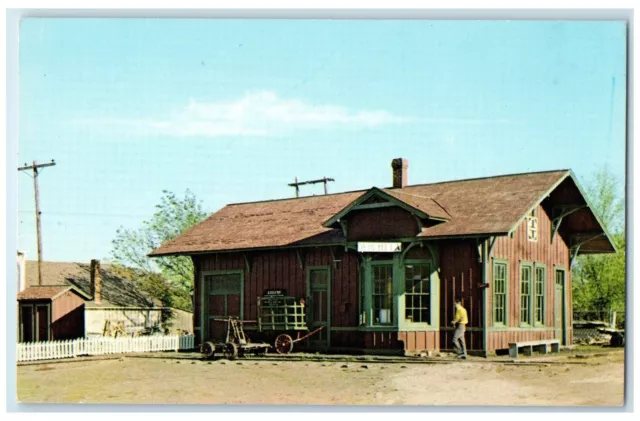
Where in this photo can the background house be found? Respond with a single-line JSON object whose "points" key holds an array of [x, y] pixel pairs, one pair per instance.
{"points": [[108, 294]]}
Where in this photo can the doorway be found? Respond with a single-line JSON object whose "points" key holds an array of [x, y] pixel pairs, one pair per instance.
{"points": [[223, 298], [318, 310], [559, 307]]}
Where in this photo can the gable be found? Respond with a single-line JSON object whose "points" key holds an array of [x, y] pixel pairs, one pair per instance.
{"points": [[380, 223]]}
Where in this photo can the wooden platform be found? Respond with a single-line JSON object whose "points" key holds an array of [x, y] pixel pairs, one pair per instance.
{"points": [[542, 346]]}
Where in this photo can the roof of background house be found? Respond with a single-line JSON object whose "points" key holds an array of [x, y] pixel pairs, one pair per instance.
{"points": [[48, 292], [490, 205], [118, 288]]}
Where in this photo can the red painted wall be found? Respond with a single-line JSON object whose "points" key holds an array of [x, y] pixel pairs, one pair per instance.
{"points": [[517, 249], [374, 224]]}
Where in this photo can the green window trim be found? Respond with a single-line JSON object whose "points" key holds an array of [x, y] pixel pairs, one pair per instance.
{"points": [[418, 297], [398, 287], [382, 306], [525, 278], [540, 294], [500, 286]]}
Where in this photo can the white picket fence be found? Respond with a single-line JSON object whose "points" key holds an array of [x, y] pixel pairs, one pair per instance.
{"points": [[34, 351]]}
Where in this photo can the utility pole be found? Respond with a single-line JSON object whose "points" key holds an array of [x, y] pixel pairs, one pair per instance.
{"points": [[35, 168], [297, 184]]}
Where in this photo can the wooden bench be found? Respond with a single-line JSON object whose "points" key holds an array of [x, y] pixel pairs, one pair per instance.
{"points": [[541, 346]]}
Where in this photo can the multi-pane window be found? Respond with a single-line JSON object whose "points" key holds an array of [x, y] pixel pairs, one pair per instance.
{"points": [[532, 228], [525, 294], [539, 294], [499, 293], [382, 294], [417, 298]]}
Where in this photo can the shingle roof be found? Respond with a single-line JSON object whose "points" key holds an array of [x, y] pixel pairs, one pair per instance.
{"points": [[118, 288], [44, 292], [476, 206]]}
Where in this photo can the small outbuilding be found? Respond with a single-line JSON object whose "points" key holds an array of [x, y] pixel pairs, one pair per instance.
{"points": [[48, 313], [379, 268]]}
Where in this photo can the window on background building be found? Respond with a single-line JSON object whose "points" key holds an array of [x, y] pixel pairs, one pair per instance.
{"points": [[417, 297], [539, 294], [499, 293], [382, 294], [525, 295]]}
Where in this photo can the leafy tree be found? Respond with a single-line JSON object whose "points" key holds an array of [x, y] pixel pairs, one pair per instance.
{"points": [[173, 216], [599, 280]]}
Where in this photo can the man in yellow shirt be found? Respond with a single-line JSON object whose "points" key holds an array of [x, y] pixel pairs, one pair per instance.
{"points": [[460, 321]]}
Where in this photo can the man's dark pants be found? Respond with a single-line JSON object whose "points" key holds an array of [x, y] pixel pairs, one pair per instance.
{"points": [[459, 344]]}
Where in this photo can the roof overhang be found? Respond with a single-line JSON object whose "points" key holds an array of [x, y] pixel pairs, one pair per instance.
{"points": [[590, 240]]}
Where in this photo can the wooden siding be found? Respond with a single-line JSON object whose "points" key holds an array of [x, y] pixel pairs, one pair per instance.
{"points": [[519, 249], [281, 269], [460, 274], [67, 317], [376, 224]]}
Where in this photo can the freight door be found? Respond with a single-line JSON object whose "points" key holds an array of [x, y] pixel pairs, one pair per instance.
{"points": [[559, 308], [319, 305], [223, 292]]}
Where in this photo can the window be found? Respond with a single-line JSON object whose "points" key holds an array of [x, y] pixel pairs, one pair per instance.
{"points": [[532, 228], [499, 293], [417, 297], [525, 295], [539, 294], [382, 294]]}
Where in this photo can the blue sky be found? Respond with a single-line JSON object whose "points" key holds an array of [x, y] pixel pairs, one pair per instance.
{"points": [[234, 110]]}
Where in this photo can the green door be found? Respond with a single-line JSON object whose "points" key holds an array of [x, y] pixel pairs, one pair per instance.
{"points": [[319, 305], [559, 308], [223, 293]]}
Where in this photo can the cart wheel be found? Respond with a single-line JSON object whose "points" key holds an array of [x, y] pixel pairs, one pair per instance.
{"points": [[208, 349], [283, 344], [230, 350]]}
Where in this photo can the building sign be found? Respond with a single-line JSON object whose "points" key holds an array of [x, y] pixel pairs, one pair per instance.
{"points": [[379, 247], [275, 292]]}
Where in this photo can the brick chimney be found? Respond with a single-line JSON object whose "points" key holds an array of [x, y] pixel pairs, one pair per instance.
{"points": [[96, 281], [400, 172]]}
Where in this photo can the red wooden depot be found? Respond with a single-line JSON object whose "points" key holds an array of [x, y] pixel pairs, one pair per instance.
{"points": [[379, 268]]}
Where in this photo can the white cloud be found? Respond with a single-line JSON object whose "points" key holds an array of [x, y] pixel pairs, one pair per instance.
{"points": [[261, 114]]}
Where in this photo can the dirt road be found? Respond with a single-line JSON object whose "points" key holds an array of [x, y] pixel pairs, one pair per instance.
{"points": [[151, 380]]}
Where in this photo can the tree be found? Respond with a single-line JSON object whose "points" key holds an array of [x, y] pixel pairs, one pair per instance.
{"points": [[599, 280], [173, 216]]}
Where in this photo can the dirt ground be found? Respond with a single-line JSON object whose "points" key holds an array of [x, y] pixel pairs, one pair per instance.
{"points": [[596, 380]]}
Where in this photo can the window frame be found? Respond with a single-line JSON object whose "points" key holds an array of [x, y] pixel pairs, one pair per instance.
{"points": [[543, 320], [402, 298], [369, 295], [506, 292], [522, 323]]}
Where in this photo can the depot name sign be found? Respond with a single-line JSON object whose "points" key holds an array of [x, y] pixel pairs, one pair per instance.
{"points": [[365, 247]]}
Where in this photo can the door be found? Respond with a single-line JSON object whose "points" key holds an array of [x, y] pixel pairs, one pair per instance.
{"points": [[223, 293], [26, 323], [559, 308], [42, 318], [319, 305]]}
